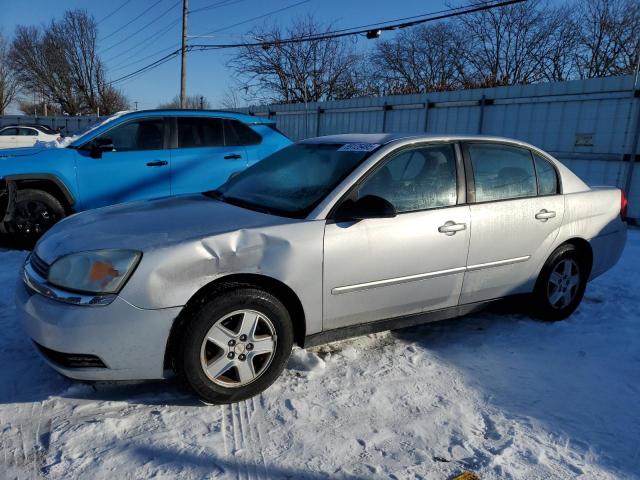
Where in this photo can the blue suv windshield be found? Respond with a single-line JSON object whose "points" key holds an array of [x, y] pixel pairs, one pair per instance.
{"points": [[292, 181]]}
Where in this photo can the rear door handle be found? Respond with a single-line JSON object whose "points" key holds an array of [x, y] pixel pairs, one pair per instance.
{"points": [[450, 228], [545, 215], [158, 163], [232, 156]]}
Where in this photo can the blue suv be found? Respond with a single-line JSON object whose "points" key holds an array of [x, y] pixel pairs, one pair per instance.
{"points": [[129, 156]]}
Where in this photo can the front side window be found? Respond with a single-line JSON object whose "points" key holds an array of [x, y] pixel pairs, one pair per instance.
{"points": [[416, 179], [293, 180], [144, 134], [501, 172], [547, 177], [9, 131], [200, 132]]}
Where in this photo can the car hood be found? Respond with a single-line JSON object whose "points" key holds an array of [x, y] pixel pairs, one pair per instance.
{"points": [[146, 225], [20, 152]]}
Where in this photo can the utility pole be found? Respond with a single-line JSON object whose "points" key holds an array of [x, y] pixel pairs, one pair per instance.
{"points": [[183, 72]]}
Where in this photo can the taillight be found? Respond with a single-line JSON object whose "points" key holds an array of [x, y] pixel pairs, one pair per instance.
{"points": [[623, 204]]}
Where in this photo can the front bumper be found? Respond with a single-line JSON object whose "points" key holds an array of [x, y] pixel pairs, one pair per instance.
{"points": [[128, 340]]}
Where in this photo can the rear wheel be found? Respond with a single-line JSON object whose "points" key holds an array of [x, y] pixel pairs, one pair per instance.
{"points": [[34, 212], [235, 345], [561, 284]]}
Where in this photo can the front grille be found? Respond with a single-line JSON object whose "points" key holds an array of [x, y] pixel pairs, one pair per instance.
{"points": [[71, 360], [39, 266]]}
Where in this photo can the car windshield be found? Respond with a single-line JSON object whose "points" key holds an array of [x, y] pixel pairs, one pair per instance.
{"points": [[292, 181]]}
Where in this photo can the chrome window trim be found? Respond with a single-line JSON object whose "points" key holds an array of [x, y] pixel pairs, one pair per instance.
{"points": [[39, 285]]}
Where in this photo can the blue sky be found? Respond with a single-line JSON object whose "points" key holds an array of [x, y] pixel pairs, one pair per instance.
{"points": [[207, 71]]}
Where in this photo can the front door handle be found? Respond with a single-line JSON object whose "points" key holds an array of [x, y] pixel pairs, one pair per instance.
{"points": [[158, 163], [544, 215], [450, 228], [232, 156]]}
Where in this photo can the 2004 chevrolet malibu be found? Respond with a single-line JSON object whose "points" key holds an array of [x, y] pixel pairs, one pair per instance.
{"points": [[328, 238]]}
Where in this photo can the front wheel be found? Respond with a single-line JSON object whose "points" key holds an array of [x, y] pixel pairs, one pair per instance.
{"points": [[235, 346], [561, 284], [35, 212]]}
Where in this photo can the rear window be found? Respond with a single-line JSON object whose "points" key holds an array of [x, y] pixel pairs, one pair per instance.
{"points": [[237, 133], [200, 132]]}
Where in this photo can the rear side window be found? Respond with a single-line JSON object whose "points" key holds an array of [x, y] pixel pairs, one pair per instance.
{"points": [[501, 172], [27, 132], [200, 132], [237, 133], [547, 176]]}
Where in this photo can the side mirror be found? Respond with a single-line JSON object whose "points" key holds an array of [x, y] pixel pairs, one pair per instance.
{"points": [[101, 145], [369, 206]]}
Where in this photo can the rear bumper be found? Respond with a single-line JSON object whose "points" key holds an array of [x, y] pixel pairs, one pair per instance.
{"points": [[114, 342], [607, 250]]}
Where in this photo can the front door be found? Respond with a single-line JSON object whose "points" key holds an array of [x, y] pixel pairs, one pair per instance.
{"points": [[515, 215], [138, 167], [388, 267]]}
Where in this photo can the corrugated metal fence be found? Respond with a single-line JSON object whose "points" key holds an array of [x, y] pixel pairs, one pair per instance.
{"points": [[590, 125], [69, 125]]}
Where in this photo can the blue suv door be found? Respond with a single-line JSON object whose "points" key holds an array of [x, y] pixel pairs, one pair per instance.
{"points": [[207, 152], [137, 167]]}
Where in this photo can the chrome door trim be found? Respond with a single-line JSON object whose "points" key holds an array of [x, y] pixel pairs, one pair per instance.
{"points": [[421, 276], [394, 281], [498, 263]]}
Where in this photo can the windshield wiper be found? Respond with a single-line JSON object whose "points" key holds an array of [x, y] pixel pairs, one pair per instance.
{"points": [[215, 194]]}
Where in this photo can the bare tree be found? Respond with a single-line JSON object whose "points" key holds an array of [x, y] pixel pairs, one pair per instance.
{"points": [[505, 45], [8, 81], [60, 62], [195, 102], [609, 37], [422, 59], [297, 71]]}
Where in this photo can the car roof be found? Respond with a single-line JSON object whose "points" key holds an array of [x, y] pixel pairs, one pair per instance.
{"points": [[178, 112], [385, 138]]}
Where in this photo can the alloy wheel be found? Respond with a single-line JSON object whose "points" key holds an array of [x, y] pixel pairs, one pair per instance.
{"points": [[563, 284], [238, 348]]}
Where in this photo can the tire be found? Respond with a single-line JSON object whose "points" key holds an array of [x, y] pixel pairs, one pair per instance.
{"points": [[35, 212], [231, 359], [560, 285]]}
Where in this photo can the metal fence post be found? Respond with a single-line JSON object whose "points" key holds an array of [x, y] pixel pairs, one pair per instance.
{"points": [[318, 113], [481, 120], [426, 115], [384, 117]]}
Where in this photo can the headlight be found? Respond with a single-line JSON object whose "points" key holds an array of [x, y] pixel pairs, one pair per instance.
{"points": [[99, 271]]}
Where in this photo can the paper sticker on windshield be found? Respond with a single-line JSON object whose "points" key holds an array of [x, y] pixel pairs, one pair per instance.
{"points": [[358, 147]]}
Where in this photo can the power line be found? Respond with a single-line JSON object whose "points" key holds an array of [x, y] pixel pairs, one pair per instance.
{"points": [[114, 12], [145, 44], [454, 12], [130, 21], [440, 15], [259, 17], [141, 29], [211, 6]]}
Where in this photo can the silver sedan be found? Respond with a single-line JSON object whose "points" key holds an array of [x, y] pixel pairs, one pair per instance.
{"points": [[329, 238]]}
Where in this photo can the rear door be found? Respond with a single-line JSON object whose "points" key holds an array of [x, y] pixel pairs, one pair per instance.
{"points": [[515, 217], [138, 167], [388, 267], [27, 137], [206, 154]]}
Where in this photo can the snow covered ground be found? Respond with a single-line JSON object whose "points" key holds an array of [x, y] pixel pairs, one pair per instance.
{"points": [[496, 393]]}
